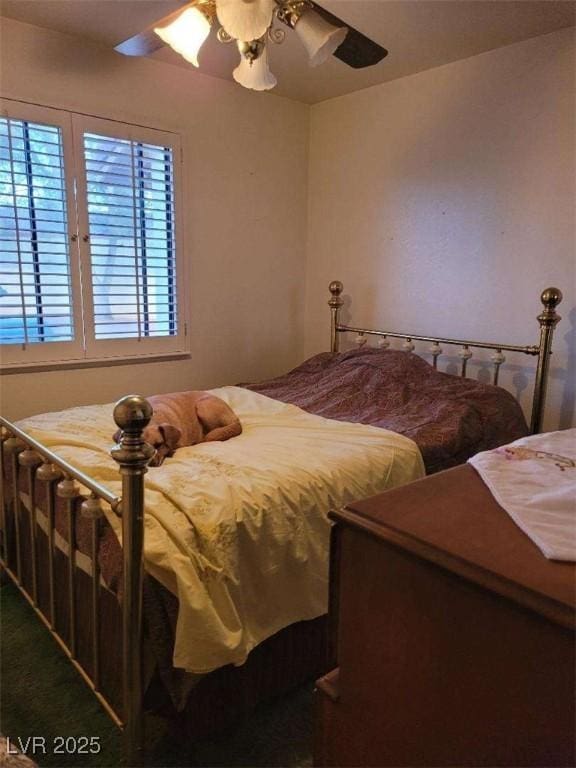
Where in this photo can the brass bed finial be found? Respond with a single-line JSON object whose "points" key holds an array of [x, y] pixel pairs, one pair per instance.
{"points": [[132, 414], [336, 287], [551, 297]]}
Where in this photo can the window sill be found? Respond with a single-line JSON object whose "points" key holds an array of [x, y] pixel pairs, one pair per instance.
{"points": [[100, 362]]}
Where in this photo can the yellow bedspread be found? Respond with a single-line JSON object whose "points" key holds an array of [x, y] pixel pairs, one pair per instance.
{"points": [[238, 531]]}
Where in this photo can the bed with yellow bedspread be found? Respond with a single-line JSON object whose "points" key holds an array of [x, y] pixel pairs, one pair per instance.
{"points": [[238, 530]]}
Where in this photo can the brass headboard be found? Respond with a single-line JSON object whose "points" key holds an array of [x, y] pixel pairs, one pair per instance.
{"points": [[548, 320]]}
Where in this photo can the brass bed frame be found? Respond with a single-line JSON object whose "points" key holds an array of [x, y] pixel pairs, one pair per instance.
{"points": [[20, 453]]}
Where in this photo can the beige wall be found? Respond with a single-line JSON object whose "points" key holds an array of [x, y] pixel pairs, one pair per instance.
{"points": [[445, 202], [245, 169]]}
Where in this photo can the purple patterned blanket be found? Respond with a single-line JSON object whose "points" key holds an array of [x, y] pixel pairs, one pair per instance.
{"points": [[448, 417]]}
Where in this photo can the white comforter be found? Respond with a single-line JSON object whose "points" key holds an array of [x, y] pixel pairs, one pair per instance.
{"points": [[238, 531]]}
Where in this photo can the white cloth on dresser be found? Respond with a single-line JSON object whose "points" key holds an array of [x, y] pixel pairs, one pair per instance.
{"points": [[534, 480], [238, 530]]}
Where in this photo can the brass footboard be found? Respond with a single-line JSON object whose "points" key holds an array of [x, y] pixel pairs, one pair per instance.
{"points": [[548, 320], [24, 462]]}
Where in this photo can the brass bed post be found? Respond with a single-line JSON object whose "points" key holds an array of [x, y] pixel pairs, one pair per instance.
{"points": [[548, 320], [31, 460], [50, 474], [131, 415], [3, 475], [335, 304], [14, 445], [91, 509], [68, 490]]}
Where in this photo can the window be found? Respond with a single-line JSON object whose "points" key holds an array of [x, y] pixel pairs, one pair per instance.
{"points": [[90, 261]]}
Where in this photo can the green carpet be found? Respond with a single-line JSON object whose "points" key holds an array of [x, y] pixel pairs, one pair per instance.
{"points": [[42, 695]]}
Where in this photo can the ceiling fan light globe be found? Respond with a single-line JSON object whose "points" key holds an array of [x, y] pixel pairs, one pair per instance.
{"points": [[318, 36], [255, 74], [245, 19], [186, 34]]}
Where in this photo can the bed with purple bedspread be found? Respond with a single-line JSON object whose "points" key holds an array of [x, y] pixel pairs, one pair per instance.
{"points": [[448, 417]]}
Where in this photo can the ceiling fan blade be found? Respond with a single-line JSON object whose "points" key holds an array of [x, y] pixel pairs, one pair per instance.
{"points": [[140, 45], [357, 50], [147, 42]]}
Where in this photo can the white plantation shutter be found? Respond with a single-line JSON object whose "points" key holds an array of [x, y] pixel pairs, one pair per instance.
{"points": [[130, 194], [36, 293], [108, 213], [128, 179]]}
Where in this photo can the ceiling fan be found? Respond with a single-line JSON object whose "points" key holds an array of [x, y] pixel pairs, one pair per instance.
{"points": [[251, 24]]}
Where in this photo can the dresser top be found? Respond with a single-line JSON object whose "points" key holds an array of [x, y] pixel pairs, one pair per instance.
{"points": [[451, 519]]}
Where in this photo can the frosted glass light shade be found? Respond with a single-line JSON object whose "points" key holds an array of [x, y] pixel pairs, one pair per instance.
{"points": [[245, 19], [255, 75], [319, 37], [186, 34]]}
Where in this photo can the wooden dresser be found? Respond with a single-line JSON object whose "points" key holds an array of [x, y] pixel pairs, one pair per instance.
{"points": [[455, 636]]}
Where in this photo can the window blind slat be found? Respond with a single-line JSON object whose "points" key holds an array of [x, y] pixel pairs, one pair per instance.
{"points": [[148, 184], [121, 171], [123, 261], [96, 189]]}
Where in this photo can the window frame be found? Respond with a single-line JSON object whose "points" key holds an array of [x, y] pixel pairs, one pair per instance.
{"points": [[85, 349]]}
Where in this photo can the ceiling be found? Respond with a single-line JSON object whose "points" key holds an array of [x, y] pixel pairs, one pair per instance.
{"points": [[419, 34]]}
